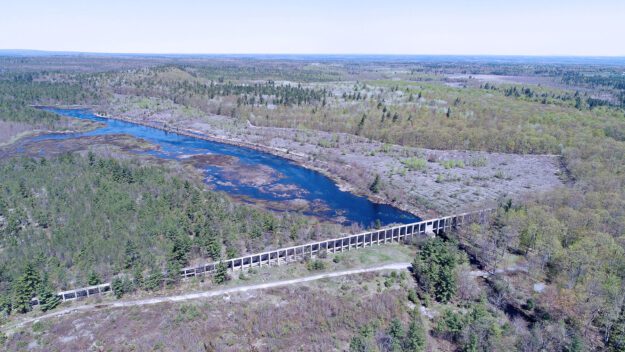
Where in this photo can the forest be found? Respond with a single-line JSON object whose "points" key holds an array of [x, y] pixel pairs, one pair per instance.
{"points": [[84, 218]]}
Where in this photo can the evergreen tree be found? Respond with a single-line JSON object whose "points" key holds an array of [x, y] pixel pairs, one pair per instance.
{"points": [[5, 305], [173, 272], [434, 269], [361, 124], [48, 299], [358, 344], [415, 336], [118, 287], [375, 186], [24, 288], [213, 246], [179, 250], [153, 281], [131, 255], [362, 342], [138, 276], [22, 293], [91, 158], [617, 334], [446, 285], [221, 273], [377, 224], [396, 332], [31, 276], [93, 279]]}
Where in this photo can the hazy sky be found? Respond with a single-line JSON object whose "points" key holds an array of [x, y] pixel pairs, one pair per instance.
{"points": [[529, 27]]}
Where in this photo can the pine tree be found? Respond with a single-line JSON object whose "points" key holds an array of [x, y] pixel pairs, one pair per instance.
{"points": [[617, 333], [93, 279], [137, 275], [446, 286], [377, 224], [358, 344], [91, 158], [361, 124], [415, 336], [117, 285], [153, 281], [173, 272], [48, 300], [213, 246], [31, 276], [221, 273], [396, 332], [24, 288], [131, 255], [434, 269], [179, 250], [375, 186], [22, 293], [5, 304]]}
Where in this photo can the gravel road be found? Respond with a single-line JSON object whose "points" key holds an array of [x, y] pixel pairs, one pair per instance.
{"points": [[205, 294]]}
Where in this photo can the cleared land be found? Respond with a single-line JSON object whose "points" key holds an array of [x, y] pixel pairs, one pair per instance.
{"points": [[320, 315], [415, 179], [216, 292], [349, 281]]}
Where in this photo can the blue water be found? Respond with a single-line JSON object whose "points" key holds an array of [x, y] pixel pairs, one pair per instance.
{"points": [[301, 183]]}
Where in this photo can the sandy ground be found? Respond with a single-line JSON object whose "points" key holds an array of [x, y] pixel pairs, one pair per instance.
{"points": [[318, 316], [110, 145], [12, 131], [206, 294]]}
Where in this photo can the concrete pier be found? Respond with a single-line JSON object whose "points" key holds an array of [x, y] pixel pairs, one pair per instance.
{"points": [[396, 234], [400, 233]]}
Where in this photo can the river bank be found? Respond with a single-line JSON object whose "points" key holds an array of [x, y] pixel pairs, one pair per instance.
{"points": [[265, 176], [441, 181], [12, 132], [446, 181], [298, 158]]}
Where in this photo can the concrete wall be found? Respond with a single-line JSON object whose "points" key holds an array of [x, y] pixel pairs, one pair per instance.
{"points": [[400, 233]]}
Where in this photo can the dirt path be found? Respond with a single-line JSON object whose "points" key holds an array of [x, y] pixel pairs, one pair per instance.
{"points": [[205, 294]]}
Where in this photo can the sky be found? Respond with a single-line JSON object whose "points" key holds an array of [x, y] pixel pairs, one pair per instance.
{"points": [[411, 27]]}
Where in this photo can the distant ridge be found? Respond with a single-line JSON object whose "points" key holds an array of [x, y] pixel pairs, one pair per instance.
{"points": [[29, 52], [501, 59]]}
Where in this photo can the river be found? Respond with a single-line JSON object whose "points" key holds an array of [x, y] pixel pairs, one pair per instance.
{"points": [[250, 175]]}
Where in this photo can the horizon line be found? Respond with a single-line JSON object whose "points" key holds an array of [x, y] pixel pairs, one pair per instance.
{"points": [[78, 52]]}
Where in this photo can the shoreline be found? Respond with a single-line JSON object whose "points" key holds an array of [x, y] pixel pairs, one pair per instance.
{"points": [[36, 133], [297, 158]]}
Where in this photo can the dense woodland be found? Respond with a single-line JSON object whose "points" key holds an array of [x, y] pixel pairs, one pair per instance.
{"points": [[18, 92], [65, 214], [76, 218]]}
